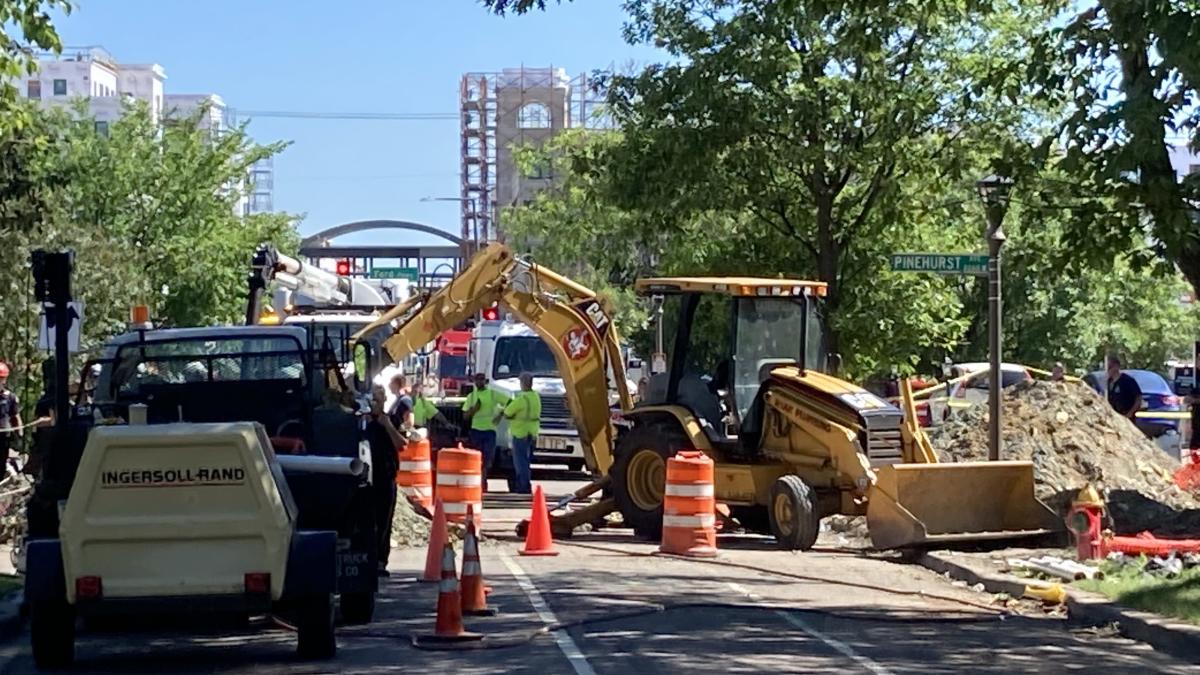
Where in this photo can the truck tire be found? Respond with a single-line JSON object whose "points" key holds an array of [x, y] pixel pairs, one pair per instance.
{"points": [[358, 608], [639, 476], [795, 518], [314, 628], [52, 634]]}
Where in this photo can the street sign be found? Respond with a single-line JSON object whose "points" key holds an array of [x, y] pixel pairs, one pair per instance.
{"points": [[940, 263], [46, 330], [410, 273]]}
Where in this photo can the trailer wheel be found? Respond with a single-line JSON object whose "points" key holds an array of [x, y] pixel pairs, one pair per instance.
{"points": [[795, 519], [52, 634], [358, 608], [639, 476], [314, 627]]}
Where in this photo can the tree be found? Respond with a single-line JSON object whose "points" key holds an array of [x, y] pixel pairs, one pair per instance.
{"points": [[149, 212], [1117, 150], [501, 7], [822, 121], [18, 56]]}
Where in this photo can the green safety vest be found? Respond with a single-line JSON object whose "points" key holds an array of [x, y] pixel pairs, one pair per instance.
{"points": [[423, 411], [491, 400], [524, 413]]}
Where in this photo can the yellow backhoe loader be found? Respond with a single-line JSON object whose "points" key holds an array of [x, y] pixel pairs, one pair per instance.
{"points": [[791, 442]]}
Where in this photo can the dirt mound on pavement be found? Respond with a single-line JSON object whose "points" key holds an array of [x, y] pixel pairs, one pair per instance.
{"points": [[1073, 437]]}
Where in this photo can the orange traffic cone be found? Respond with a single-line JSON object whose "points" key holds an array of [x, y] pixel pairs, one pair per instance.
{"points": [[474, 593], [538, 541], [437, 541], [449, 626]]}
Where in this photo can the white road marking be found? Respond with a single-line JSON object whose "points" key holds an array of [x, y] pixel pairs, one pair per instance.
{"points": [[569, 649], [835, 644]]}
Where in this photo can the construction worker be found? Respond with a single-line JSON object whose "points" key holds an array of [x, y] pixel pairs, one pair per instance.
{"points": [[401, 410], [480, 409], [10, 414], [424, 411], [524, 413], [385, 441], [1124, 394]]}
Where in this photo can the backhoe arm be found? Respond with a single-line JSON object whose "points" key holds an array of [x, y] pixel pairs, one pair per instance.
{"points": [[575, 324]]}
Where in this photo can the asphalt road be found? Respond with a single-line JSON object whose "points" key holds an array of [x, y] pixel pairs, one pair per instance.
{"points": [[628, 611]]}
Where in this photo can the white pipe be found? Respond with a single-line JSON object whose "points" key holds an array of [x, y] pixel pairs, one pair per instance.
{"points": [[1047, 568], [1088, 571], [342, 466]]}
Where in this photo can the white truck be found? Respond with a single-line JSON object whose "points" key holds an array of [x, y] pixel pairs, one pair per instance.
{"points": [[504, 349]]}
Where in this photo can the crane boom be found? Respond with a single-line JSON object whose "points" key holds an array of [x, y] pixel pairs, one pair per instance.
{"points": [[573, 321], [270, 265]]}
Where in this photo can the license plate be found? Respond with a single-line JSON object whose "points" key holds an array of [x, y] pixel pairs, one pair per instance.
{"points": [[552, 443]]}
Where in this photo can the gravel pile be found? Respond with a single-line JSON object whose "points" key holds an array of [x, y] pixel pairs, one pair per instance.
{"points": [[409, 528], [1073, 437], [14, 494]]}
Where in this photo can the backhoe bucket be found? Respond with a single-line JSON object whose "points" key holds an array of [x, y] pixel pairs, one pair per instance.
{"points": [[926, 505]]}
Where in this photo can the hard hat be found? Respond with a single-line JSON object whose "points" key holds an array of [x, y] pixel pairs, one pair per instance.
{"points": [[3, 369]]}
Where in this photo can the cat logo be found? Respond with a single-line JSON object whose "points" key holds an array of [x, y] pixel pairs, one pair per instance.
{"points": [[577, 343], [595, 314]]}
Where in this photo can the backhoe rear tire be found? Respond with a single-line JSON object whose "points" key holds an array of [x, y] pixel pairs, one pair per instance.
{"points": [[639, 476], [795, 515]]}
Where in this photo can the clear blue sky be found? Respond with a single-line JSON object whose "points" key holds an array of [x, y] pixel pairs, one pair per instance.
{"points": [[380, 56]]}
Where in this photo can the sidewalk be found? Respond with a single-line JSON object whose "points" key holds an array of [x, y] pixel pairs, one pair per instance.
{"points": [[1170, 636]]}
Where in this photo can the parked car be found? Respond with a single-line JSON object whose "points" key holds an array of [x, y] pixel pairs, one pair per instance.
{"points": [[939, 406], [1157, 396]]}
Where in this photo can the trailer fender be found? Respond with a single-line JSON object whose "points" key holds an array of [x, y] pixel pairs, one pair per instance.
{"points": [[44, 576], [312, 564]]}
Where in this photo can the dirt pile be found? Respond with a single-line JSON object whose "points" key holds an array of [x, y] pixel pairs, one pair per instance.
{"points": [[409, 528], [1073, 437]]}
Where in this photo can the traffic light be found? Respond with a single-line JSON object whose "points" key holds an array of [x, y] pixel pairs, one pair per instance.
{"points": [[491, 313], [343, 268]]}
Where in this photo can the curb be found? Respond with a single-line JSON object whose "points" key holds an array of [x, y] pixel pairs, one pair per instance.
{"points": [[1169, 636]]}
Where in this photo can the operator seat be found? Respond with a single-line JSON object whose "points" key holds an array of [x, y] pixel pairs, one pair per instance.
{"points": [[695, 395]]}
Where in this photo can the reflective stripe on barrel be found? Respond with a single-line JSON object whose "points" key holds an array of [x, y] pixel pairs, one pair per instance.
{"points": [[689, 506], [460, 482], [415, 477]]}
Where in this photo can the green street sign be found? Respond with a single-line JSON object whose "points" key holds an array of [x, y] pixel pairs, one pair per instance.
{"points": [[940, 263], [410, 273]]}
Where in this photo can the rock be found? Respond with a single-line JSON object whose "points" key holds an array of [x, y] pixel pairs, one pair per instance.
{"points": [[1074, 438]]}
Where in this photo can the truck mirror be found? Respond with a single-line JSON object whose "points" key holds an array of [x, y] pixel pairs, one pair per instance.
{"points": [[362, 360]]}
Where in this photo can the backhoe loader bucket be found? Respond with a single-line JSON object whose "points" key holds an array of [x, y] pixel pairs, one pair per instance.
{"points": [[926, 505]]}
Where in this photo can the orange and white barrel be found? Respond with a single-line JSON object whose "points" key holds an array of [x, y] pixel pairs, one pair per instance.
{"points": [[415, 477], [460, 482], [689, 506]]}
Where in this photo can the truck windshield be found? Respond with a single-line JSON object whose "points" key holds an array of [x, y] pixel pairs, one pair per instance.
{"points": [[203, 360], [516, 355], [450, 365]]}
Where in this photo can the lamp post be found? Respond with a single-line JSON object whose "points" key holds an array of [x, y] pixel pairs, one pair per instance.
{"points": [[469, 242], [993, 190]]}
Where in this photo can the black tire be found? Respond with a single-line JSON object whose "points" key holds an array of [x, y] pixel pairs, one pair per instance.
{"points": [[52, 634], [358, 608], [795, 518], [639, 476], [314, 628]]}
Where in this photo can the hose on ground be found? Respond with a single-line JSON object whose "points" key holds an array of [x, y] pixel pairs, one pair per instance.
{"points": [[799, 577], [520, 639]]}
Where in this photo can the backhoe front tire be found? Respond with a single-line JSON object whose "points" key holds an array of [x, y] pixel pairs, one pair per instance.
{"points": [[794, 512], [639, 476]]}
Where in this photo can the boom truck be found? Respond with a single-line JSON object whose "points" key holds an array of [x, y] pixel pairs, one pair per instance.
{"points": [[791, 442]]}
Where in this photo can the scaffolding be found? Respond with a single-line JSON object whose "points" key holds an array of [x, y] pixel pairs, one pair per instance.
{"points": [[503, 109]]}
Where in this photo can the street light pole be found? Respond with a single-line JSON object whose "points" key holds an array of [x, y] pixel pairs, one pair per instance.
{"points": [[994, 192]]}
